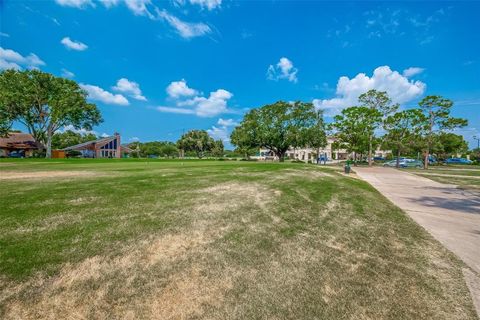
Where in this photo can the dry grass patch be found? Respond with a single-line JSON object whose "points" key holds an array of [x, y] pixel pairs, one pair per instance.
{"points": [[11, 175]]}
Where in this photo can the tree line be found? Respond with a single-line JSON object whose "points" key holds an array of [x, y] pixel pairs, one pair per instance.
{"points": [[45, 104], [375, 121]]}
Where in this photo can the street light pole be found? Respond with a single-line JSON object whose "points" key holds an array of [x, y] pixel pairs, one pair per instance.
{"points": [[478, 143]]}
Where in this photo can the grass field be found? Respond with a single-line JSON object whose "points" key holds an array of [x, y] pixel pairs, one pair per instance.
{"points": [[132, 239], [465, 177]]}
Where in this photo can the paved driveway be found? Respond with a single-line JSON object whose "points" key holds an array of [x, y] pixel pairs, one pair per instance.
{"points": [[451, 215]]}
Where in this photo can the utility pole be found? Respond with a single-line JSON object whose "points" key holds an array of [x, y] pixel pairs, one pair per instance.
{"points": [[478, 143]]}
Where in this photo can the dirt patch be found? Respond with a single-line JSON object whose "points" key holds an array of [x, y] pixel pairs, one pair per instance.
{"points": [[11, 175], [82, 290], [233, 195], [187, 294], [307, 174]]}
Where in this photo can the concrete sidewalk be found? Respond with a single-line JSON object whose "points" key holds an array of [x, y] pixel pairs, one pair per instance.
{"points": [[451, 215]]}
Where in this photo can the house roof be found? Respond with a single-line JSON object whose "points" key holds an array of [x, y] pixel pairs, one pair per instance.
{"points": [[100, 141], [19, 140]]}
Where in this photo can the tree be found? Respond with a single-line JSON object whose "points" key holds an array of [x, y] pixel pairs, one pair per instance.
{"points": [[197, 141], [437, 118], [354, 127], [316, 136], [448, 143], [381, 102], [403, 128], [45, 103], [61, 140], [169, 149], [276, 127], [217, 150]]}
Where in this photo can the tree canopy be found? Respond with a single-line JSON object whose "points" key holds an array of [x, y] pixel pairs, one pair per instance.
{"points": [[437, 119], [403, 130], [44, 103], [381, 105], [354, 127], [197, 141], [280, 126]]}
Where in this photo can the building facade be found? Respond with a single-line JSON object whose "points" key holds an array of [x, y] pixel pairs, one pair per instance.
{"points": [[18, 144], [107, 147]]}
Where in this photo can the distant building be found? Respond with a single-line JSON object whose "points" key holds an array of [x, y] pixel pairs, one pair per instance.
{"points": [[107, 147], [18, 144], [309, 154]]}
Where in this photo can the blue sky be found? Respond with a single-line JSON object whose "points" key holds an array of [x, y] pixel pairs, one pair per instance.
{"points": [[156, 68]]}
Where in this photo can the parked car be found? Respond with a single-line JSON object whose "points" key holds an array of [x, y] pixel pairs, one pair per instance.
{"points": [[458, 161], [17, 154], [404, 163], [378, 158]]}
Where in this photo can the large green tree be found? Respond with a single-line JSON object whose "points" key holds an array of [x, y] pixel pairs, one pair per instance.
{"points": [[218, 149], [197, 141], [44, 103], [437, 119], [380, 102], [448, 143], [353, 128], [402, 130], [277, 127]]}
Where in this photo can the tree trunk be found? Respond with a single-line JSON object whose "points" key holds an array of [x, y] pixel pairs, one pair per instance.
{"points": [[49, 144], [398, 158], [427, 155], [355, 158], [370, 162]]}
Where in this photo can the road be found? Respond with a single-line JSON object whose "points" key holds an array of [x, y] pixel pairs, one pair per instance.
{"points": [[451, 215]]}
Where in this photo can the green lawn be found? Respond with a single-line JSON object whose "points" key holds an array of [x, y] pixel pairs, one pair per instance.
{"points": [[213, 240]]}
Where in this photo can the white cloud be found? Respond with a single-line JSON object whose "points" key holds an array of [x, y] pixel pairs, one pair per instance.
{"points": [[175, 110], [109, 3], [74, 45], [227, 122], [75, 3], [98, 94], [139, 7], [67, 74], [208, 4], [10, 59], [283, 70], [186, 30], [219, 133], [82, 131], [131, 88], [412, 71], [214, 104], [399, 88], [204, 4], [177, 89], [222, 131]]}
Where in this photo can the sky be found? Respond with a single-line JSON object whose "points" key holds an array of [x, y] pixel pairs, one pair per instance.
{"points": [[157, 69]]}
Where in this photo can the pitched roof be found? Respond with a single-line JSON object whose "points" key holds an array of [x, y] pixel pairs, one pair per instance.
{"points": [[85, 144], [19, 140]]}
